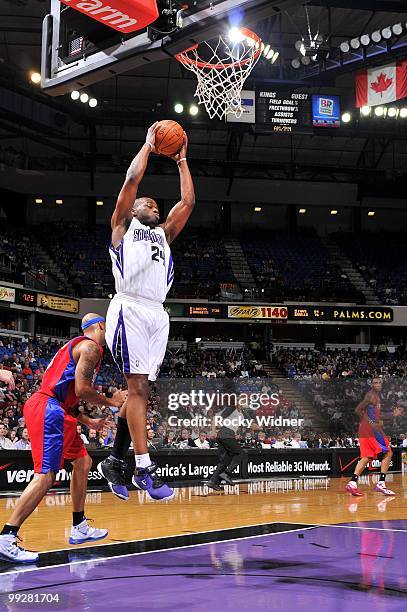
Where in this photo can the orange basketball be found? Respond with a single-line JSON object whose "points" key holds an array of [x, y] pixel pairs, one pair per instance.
{"points": [[168, 137]]}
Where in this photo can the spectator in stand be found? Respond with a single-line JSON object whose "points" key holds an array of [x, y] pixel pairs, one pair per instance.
{"points": [[5, 443], [152, 442], [24, 443], [185, 440], [94, 441], [201, 441], [81, 434]]}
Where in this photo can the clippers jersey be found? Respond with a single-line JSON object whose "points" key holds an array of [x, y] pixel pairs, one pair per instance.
{"points": [[59, 377], [142, 263]]}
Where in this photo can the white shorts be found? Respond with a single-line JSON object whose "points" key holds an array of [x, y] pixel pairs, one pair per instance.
{"points": [[137, 335]]}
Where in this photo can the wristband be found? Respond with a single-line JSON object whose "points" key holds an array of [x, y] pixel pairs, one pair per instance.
{"points": [[149, 144], [180, 160]]}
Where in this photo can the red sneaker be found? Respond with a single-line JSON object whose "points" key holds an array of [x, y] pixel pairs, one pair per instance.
{"points": [[352, 488]]}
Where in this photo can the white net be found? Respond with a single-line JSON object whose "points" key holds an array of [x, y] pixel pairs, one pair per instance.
{"points": [[221, 75]]}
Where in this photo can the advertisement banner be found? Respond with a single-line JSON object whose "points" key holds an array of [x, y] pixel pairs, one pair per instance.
{"points": [[257, 312], [57, 302], [7, 294], [285, 463]]}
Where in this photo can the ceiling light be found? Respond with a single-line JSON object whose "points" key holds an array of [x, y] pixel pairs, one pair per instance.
{"points": [[371, 213], [403, 112], [295, 63], [386, 33], [392, 111], [298, 45], [93, 102], [302, 211], [236, 35], [270, 54], [379, 111], [38, 200], [178, 108], [99, 202], [59, 201], [35, 77], [84, 98], [346, 117], [334, 212], [193, 110], [344, 47], [306, 60], [75, 95], [365, 40], [257, 209], [365, 110], [397, 29], [355, 43], [376, 36]]}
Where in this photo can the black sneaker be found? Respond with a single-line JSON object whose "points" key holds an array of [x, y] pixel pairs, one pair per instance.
{"points": [[213, 485], [114, 470], [225, 476]]}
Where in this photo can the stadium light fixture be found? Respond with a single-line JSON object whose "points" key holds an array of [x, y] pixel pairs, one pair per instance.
{"points": [[386, 33], [365, 111], [392, 112], [236, 35], [334, 211], [302, 211], [365, 40], [344, 46], [346, 117], [403, 112], [75, 95], [379, 111], [295, 63], [193, 110], [371, 213], [35, 77], [93, 102], [376, 36], [397, 29], [355, 43], [306, 60], [299, 45], [257, 209], [178, 108], [99, 202], [59, 201], [84, 98], [38, 200]]}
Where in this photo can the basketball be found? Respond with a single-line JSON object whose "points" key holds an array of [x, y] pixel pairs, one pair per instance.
{"points": [[169, 137]]}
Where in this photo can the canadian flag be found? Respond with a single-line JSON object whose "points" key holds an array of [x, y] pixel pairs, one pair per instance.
{"points": [[381, 85]]}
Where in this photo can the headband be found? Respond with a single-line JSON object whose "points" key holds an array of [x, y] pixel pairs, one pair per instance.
{"points": [[92, 322]]}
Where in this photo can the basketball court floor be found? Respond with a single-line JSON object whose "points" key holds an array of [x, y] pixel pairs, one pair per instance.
{"points": [[261, 545]]}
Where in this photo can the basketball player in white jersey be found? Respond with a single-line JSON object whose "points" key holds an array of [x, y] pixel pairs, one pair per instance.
{"points": [[137, 325]]}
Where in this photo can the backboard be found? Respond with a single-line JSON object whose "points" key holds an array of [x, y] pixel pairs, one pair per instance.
{"points": [[78, 51]]}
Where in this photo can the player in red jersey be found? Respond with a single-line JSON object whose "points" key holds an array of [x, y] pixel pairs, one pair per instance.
{"points": [[372, 439], [51, 415]]}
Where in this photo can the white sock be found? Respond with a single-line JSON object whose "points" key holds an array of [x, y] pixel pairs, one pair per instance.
{"points": [[143, 461]]}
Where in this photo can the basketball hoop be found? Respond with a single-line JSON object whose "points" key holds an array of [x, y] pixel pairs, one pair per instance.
{"points": [[222, 74]]}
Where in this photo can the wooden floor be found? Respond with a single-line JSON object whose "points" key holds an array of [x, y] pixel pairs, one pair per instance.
{"points": [[195, 509]]}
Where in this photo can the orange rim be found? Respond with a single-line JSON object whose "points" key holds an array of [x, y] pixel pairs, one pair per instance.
{"points": [[189, 61]]}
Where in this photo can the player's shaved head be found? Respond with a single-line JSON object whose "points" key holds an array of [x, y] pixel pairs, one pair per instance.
{"points": [[94, 326], [88, 317], [146, 211]]}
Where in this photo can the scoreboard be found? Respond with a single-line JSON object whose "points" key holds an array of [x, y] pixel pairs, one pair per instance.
{"points": [[284, 111]]}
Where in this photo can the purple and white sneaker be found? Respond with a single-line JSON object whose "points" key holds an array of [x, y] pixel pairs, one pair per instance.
{"points": [[146, 480], [121, 491]]}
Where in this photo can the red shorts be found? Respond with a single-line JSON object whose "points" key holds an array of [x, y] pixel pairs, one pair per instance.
{"points": [[372, 443], [52, 434]]}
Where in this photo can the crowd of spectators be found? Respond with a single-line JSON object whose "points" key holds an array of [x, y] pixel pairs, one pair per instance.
{"points": [[333, 380], [336, 380]]}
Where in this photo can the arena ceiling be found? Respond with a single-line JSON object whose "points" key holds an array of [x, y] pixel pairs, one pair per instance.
{"points": [[107, 136]]}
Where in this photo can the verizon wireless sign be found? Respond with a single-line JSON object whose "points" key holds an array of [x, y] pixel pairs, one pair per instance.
{"points": [[121, 15]]}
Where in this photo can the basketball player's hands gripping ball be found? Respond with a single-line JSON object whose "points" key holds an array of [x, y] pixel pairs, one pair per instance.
{"points": [[150, 138], [169, 138]]}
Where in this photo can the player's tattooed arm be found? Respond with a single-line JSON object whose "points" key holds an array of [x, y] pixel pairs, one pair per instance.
{"points": [[128, 192], [85, 369]]}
